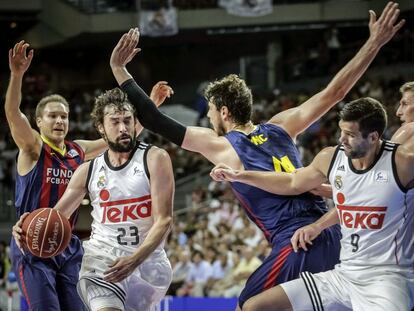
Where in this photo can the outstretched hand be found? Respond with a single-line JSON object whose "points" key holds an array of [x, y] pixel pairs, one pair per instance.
{"points": [[383, 29], [126, 49], [19, 59], [160, 92]]}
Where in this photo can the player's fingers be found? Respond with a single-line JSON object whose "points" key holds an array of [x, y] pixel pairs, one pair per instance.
{"points": [[394, 18], [372, 17], [30, 56], [22, 218], [385, 12], [399, 25], [214, 176], [17, 47], [308, 238], [302, 241], [390, 13], [294, 242]]}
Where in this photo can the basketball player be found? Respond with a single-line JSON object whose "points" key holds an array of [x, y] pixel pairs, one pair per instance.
{"points": [[124, 266], [237, 142], [45, 164], [405, 112], [370, 178]]}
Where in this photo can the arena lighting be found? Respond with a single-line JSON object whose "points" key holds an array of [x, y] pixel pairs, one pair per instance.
{"points": [[256, 29]]}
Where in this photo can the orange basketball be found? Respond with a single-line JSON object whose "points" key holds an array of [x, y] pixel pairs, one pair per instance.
{"points": [[46, 233]]}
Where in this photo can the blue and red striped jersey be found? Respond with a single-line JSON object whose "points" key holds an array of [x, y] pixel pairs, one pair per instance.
{"points": [[270, 148], [44, 185]]}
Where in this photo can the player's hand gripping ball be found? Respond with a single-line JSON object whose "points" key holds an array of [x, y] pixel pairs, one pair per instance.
{"points": [[46, 233]]}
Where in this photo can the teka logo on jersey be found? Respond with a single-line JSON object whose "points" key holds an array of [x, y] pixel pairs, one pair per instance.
{"points": [[362, 217], [128, 209]]}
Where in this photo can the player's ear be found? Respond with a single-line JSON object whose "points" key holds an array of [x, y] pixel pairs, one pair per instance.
{"points": [[101, 129], [373, 137], [38, 121], [225, 113]]}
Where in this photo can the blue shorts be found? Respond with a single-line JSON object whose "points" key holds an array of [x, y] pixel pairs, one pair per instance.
{"points": [[49, 284], [283, 264]]}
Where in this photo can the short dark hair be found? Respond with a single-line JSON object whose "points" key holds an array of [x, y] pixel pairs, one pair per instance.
{"points": [[115, 98], [50, 99], [368, 113], [232, 92]]}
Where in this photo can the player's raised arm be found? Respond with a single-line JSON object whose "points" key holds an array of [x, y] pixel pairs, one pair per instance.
{"points": [[162, 197], [25, 137], [300, 181], [298, 119], [75, 192], [202, 140]]}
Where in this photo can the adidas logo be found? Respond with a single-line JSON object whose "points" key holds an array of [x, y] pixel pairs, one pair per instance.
{"points": [[341, 168]]}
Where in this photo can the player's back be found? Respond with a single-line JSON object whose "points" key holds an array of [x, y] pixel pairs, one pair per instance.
{"points": [[270, 148]]}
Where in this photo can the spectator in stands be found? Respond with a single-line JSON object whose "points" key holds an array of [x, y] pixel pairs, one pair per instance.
{"points": [[180, 272], [247, 265], [198, 275]]}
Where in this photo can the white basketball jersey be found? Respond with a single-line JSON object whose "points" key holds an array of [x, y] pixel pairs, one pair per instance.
{"points": [[121, 200], [376, 221]]}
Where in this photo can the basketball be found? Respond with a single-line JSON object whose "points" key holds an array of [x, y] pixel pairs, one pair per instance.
{"points": [[46, 233]]}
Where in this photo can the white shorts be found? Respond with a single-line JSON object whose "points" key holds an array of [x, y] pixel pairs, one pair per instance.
{"points": [[373, 289], [140, 291]]}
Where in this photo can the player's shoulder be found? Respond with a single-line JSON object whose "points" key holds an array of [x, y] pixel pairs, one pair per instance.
{"points": [[157, 154], [404, 133], [328, 151], [84, 167]]}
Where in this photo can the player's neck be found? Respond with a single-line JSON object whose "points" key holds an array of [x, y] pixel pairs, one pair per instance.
{"points": [[118, 158], [58, 146], [246, 128], [366, 161]]}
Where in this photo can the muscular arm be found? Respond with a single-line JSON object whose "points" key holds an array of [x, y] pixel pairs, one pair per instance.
{"points": [[300, 181], [75, 192], [298, 119], [26, 138], [162, 196], [197, 139]]}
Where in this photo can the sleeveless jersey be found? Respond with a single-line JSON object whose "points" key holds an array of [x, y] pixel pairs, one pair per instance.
{"points": [[270, 148], [44, 185], [121, 200], [373, 211]]}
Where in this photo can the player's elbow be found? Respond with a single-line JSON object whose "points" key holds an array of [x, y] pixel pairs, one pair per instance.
{"points": [[166, 223], [295, 188]]}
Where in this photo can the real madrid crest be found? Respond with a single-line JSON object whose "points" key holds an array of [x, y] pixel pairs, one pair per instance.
{"points": [[338, 182], [101, 182]]}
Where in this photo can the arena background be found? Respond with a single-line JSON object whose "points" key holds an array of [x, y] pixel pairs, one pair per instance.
{"points": [[285, 54]]}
